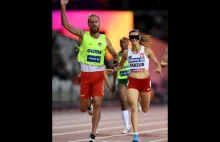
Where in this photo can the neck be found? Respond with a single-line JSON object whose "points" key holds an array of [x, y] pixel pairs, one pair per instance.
{"points": [[94, 35], [136, 47]]}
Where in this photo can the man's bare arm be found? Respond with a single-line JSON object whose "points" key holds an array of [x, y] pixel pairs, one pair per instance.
{"points": [[107, 82], [65, 22], [112, 50]]}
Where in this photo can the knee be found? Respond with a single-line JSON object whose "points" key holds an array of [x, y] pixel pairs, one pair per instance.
{"points": [[83, 109], [134, 108], [96, 103], [145, 109]]}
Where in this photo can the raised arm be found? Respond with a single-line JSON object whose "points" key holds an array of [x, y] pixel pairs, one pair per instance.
{"points": [[65, 22], [151, 55]]}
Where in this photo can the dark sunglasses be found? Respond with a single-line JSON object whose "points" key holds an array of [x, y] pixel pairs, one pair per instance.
{"points": [[134, 37]]}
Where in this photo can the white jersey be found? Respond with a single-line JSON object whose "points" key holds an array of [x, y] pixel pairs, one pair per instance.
{"points": [[138, 61], [91, 68]]}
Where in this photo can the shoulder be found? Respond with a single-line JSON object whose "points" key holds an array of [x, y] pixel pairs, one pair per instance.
{"points": [[147, 50], [125, 53]]}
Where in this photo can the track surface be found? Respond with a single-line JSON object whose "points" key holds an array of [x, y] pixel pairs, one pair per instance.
{"points": [[74, 126]]}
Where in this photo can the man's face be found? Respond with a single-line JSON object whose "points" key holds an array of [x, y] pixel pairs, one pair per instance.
{"points": [[94, 24], [124, 44]]}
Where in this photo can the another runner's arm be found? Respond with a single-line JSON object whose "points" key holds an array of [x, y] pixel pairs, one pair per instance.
{"points": [[107, 82], [122, 61], [114, 77]]}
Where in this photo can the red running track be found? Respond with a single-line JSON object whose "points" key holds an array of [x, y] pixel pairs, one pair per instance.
{"points": [[74, 126]]}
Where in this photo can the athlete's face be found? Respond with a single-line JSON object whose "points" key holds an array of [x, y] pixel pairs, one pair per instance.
{"points": [[134, 38], [124, 44], [94, 24]]}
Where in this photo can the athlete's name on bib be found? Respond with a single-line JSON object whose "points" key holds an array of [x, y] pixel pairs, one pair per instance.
{"points": [[136, 64]]}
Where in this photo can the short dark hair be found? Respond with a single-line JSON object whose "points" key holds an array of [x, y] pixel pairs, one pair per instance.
{"points": [[134, 30], [124, 38], [91, 15]]}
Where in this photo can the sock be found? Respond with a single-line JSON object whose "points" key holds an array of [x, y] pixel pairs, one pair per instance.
{"points": [[125, 117], [136, 133]]}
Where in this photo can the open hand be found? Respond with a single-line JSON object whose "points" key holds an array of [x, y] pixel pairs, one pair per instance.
{"points": [[158, 71]]}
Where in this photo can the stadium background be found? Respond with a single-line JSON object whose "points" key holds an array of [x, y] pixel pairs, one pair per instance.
{"points": [[117, 19]]}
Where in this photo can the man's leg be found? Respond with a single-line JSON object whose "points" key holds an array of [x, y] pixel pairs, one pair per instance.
{"points": [[96, 113], [97, 95]]}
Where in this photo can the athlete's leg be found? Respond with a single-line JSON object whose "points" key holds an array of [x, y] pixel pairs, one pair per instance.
{"points": [[96, 113], [145, 100], [122, 90], [145, 95], [85, 92], [84, 104], [133, 100], [97, 94], [139, 103], [84, 97]]}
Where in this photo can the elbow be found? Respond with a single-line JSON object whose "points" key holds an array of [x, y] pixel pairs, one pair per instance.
{"points": [[116, 57], [64, 24]]}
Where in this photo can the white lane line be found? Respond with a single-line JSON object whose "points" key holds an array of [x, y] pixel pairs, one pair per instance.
{"points": [[154, 130], [143, 124]]}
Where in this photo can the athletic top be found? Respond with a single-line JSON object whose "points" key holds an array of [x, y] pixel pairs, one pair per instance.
{"points": [[138, 61]]}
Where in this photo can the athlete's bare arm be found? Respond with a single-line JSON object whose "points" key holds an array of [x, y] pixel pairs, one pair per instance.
{"points": [[107, 82], [151, 55], [120, 65], [65, 22], [114, 81], [123, 59], [112, 50], [164, 59]]}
